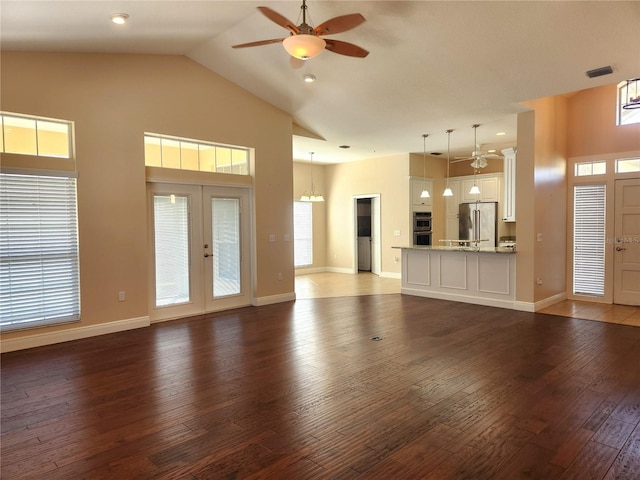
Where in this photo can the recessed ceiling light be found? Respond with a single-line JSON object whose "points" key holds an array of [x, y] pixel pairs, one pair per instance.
{"points": [[119, 18], [501, 134], [493, 150], [308, 78]]}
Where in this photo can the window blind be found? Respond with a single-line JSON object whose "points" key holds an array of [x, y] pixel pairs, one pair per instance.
{"points": [[171, 236], [39, 266], [225, 221], [303, 234], [588, 239]]}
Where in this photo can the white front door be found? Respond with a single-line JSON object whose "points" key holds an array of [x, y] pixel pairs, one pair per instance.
{"points": [[199, 237], [626, 273]]}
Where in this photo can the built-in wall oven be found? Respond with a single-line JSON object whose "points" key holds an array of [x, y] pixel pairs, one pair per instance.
{"points": [[422, 228]]}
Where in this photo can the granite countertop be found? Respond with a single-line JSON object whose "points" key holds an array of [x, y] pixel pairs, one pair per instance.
{"points": [[457, 248]]}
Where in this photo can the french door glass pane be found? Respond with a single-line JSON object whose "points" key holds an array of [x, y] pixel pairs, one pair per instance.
{"points": [[171, 218], [225, 222]]}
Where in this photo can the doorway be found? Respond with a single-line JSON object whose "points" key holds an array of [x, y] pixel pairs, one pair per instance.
{"points": [[200, 239], [367, 238], [626, 270]]}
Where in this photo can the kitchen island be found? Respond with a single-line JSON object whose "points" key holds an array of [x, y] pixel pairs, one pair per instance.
{"points": [[480, 275]]}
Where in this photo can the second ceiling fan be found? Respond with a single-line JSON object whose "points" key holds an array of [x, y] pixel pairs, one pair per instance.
{"points": [[306, 41]]}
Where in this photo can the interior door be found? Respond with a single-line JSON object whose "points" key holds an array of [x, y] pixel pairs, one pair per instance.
{"points": [[626, 281], [199, 237]]}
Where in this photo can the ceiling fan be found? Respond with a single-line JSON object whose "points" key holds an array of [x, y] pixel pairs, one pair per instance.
{"points": [[479, 158], [306, 42]]}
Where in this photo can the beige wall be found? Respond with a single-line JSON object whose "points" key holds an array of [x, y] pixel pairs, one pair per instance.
{"points": [[113, 100], [302, 183], [592, 124], [541, 177], [387, 176]]}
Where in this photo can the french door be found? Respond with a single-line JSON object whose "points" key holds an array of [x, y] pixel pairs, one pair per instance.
{"points": [[199, 236]]}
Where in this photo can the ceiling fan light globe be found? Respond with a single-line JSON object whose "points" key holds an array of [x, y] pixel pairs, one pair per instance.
{"points": [[303, 46]]}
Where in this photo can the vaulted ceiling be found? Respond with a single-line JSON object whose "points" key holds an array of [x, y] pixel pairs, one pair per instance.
{"points": [[432, 65]]}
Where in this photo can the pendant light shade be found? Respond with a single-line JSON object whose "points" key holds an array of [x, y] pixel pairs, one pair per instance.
{"points": [[311, 195], [447, 191], [425, 192]]}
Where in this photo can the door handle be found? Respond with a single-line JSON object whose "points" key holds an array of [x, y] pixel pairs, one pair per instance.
{"points": [[619, 249]]}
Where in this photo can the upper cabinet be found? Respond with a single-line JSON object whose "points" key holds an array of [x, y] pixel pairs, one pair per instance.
{"points": [[509, 208], [489, 185], [418, 184]]}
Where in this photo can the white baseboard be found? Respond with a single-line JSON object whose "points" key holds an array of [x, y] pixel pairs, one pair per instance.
{"points": [[524, 306], [397, 275], [547, 302], [339, 270], [41, 339], [306, 271], [270, 300]]}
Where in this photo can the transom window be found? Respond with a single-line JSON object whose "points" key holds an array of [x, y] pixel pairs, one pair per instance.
{"points": [[627, 165], [186, 154], [42, 137], [583, 169]]}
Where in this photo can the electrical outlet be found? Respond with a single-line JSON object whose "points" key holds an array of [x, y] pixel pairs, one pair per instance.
{"points": [[121, 296], [279, 276], [272, 237], [538, 281]]}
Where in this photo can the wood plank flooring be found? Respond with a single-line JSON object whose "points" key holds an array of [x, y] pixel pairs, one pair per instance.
{"points": [[300, 391]]}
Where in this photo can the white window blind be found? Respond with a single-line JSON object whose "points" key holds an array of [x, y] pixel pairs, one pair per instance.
{"points": [[303, 234], [171, 234], [225, 221], [588, 239], [39, 267]]}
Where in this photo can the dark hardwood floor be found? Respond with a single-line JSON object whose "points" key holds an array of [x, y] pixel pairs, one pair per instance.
{"points": [[300, 391]]}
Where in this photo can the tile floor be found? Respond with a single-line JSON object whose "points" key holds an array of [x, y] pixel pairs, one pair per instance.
{"points": [[323, 285]]}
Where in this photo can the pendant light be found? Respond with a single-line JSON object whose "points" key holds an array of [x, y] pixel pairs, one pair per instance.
{"points": [[311, 196], [475, 190], [425, 192], [447, 191], [631, 94]]}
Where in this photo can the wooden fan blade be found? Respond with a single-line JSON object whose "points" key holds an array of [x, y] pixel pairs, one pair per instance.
{"points": [[279, 19], [257, 44], [345, 48], [339, 24]]}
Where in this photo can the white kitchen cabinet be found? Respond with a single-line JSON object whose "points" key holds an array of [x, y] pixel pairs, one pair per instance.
{"points": [[489, 188], [417, 185], [451, 211], [509, 207]]}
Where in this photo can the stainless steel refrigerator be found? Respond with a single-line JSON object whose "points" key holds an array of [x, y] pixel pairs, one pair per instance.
{"points": [[478, 222]]}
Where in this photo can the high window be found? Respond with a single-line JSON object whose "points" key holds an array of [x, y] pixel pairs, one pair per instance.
{"points": [[303, 234], [185, 154], [40, 137], [628, 93], [588, 239]]}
